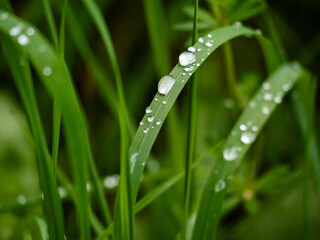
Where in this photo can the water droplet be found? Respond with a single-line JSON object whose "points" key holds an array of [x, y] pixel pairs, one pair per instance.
{"points": [[42, 48], [133, 160], [88, 187], [148, 110], [165, 84], [209, 35], [265, 110], [254, 128], [150, 119], [183, 73], [202, 59], [23, 40], [141, 123], [189, 69], [249, 123], [208, 44], [146, 130], [111, 181], [201, 40], [243, 127], [267, 96], [156, 99], [31, 31], [220, 185], [47, 71], [62, 192], [152, 126], [189, 74], [266, 86], [286, 87], [16, 30], [21, 200], [278, 98], [4, 16], [198, 64], [252, 104], [158, 122], [192, 49], [186, 58], [164, 102], [199, 49], [237, 25], [247, 137], [230, 154]]}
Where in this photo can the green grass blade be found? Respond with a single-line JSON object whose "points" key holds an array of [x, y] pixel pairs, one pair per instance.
{"points": [[253, 118], [125, 188], [56, 123], [51, 22], [22, 76], [57, 80]]}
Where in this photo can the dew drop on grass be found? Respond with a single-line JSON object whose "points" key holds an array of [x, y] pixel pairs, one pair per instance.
{"points": [[230, 154], [198, 64], [21, 200], [220, 185], [237, 25], [146, 130], [164, 102], [4, 16], [156, 99], [62, 192], [133, 160], [243, 127], [286, 87], [88, 187], [42, 48], [267, 96], [148, 110], [141, 123], [31, 31], [247, 137], [199, 49], [165, 84], [252, 104], [186, 58], [23, 40], [278, 98], [265, 110], [47, 71], [201, 40], [111, 181], [208, 44], [254, 128], [16, 30], [266, 86], [209, 35], [158, 122], [189, 69], [192, 49], [150, 119]]}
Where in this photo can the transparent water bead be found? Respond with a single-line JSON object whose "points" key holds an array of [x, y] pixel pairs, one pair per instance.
{"points": [[42, 48], [111, 181], [278, 98], [247, 137], [237, 25], [47, 71], [243, 127], [186, 58], [286, 87], [192, 49], [230, 154], [254, 128], [141, 123], [62, 192], [146, 130], [220, 185], [23, 40], [189, 69], [158, 122], [199, 49], [16, 30], [265, 110], [252, 104], [267, 96], [165, 84], [164, 102], [133, 160], [156, 99], [209, 35], [201, 40], [21, 200], [31, 31], [150, 119], [148, 110], [266, 86], [88, 187], [4, 16], [208, 44]]}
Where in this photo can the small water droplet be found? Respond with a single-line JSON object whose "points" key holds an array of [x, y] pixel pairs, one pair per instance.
{"points": [[152, 126], [156, 99], [23, 40], [199, 49], [208, 44], [62, 192], [16, 30], [146, 130], [220, 185], [141, 123], [202, 59], [209, 35], [201, 40], [265, 110], [249, 123], [254, 128], [148, 110], [189, 69], [278, 98], [192, 49], [111, 181], [164, 102], [42, 48], [237, 25], [198, 64], [247, 137], [47, 71], [243, 127], [267, 96], [21, 200], [266, 86], [133, 160], [186, 58], [150, 119], [230, 154], [165, 84], [252, 104], [4, 16], [158, 122], [183, 73], [286, 87], [31, 31], [88, 187]]}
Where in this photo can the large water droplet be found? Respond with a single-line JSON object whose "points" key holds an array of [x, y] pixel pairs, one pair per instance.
{"points": [[158, 122], [230, 153], [201, 40], [209, 35], [133, 160], [208, 44], [247, 137], [243, 127], [165, 84], [111, 181], [16, 30], [31, 31], [192, 49], [148, 110], [267, 96], [150, 119], [187, 58], [220, 185], [23, 40], [47, 71]]}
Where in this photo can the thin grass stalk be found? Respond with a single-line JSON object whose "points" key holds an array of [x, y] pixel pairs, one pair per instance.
{"points": [[191, 130]]}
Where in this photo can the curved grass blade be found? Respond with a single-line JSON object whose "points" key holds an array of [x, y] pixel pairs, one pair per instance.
{"points": [[243, 134], [57, 80]]}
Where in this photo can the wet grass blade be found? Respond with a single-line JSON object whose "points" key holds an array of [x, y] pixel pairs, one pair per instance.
{"points": [[252, 120], [57, 80]]}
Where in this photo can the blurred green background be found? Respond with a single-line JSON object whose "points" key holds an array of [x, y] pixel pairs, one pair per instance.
{"points": [[273, 194]]}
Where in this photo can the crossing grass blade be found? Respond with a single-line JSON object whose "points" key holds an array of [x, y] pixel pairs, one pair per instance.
{"points": [[57, 80], [253, 118]]}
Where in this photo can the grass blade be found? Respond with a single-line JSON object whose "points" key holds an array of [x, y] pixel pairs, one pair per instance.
{"points": [[51, 22], [256, 114], [57, 80]]}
